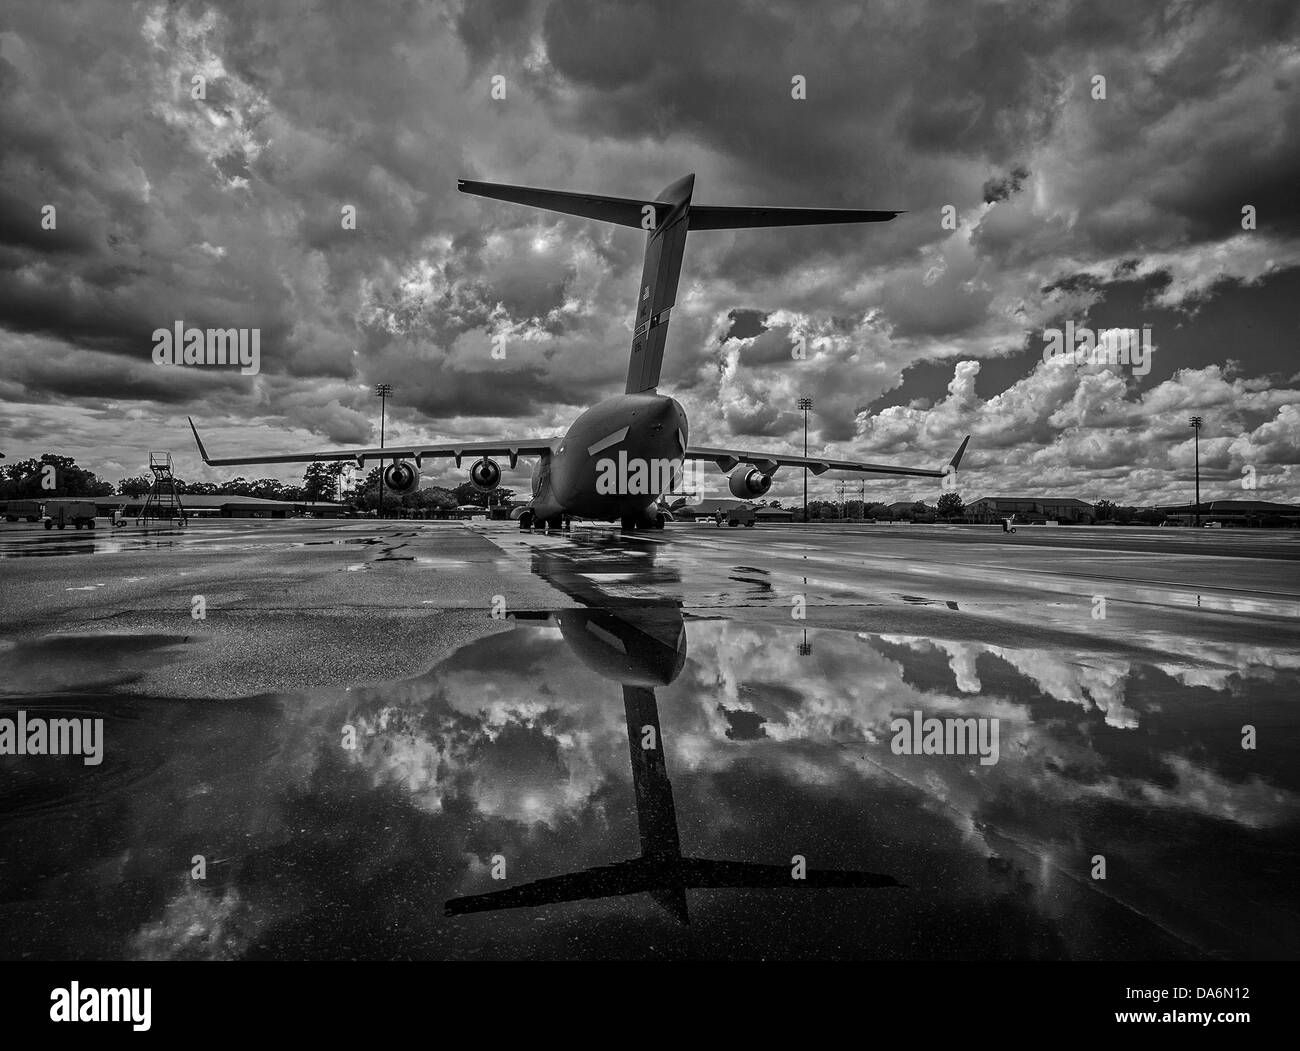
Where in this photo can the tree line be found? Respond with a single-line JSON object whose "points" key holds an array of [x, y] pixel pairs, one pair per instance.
{"points": [[52, 475]]}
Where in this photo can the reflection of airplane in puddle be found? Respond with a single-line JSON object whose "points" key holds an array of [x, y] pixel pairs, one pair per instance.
{"points": [[641, 645]]}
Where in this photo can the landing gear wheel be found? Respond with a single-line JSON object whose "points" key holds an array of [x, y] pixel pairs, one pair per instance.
{"points": [[526, 520], [48, 525], [660, 519], [627, 525]]}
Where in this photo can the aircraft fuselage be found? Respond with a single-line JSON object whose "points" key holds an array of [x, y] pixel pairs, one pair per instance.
{"points": [[642, 432]]}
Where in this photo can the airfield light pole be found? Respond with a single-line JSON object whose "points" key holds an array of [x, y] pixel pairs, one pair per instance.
{"points": [[804, 405], [1195, 422], [382, 391]]}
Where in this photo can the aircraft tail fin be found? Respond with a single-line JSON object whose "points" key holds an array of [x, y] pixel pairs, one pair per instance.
{"points": [[666, 219]]}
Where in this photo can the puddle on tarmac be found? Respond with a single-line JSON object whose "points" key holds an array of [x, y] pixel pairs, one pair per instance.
{"points": [[334, 543], [96, 542], [634, 768]]}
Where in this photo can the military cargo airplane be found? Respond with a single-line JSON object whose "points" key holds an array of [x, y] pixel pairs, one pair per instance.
{"points": [[640, 427]]}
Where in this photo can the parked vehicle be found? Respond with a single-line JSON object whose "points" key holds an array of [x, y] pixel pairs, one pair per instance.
{"points": [[736, 516], [81, 513], [32, 510]]}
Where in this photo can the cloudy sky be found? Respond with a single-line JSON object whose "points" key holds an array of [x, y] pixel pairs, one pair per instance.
{"points": [[1114, 213]]}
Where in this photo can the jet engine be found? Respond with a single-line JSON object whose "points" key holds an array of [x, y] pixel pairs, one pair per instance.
{"points": [[485, 474], [748, 482], [401, 478]]}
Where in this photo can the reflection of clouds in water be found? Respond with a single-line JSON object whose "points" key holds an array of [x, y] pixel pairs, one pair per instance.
{"points": [[535, 740], [835, 694], [961, 658], [526, 763], [1051, 761], [1251, 803], [1233, 660], [1088, 681], [527, 740], [197, 924]]}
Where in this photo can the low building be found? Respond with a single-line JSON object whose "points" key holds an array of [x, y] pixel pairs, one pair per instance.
{"points": [[908, 507], [1029, 509], [226, 505], [774, 514], [707, 509], [1245, 513]]}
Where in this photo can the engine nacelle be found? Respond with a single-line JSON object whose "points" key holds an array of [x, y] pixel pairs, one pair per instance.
{"points": [[748, 482], [401, 477], [485, 474]]}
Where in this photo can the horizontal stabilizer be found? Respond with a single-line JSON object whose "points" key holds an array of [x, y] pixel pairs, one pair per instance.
{"points": [[708, 217], [620, 210], [669, 875]]}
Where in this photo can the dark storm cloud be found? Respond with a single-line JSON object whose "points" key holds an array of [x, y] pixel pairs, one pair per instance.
{"points": [[746, 323], [491, 28], [658, 67], [654, 69], [743, 725], [1002, 187], [514, 393], [771, 347], [96, 378]]}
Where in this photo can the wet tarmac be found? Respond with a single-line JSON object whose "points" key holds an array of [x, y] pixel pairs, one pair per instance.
{"points": [[426, 740]]}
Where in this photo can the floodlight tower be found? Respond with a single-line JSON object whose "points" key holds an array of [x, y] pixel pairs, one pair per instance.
{"points": [[1195, 423], [805, 404], [382, 391]]}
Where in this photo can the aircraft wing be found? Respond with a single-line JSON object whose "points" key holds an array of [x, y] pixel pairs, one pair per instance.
{"points": [[510, 447], [728, 459]]}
